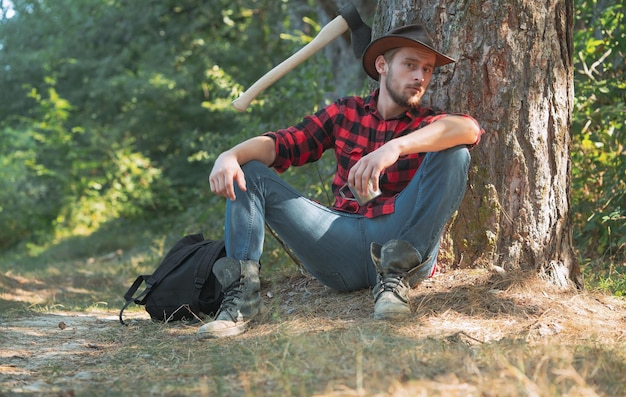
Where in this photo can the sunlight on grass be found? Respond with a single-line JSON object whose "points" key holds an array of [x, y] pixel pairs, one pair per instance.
{"points": [[474, 332], [328, 345], [362, 360]]}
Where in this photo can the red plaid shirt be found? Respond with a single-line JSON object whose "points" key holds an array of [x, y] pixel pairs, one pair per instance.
{"points": [[353, 127]]}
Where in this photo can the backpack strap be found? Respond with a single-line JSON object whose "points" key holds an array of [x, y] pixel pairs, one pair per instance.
{"points": [[183, 248], [211, 252], [129, 295]]}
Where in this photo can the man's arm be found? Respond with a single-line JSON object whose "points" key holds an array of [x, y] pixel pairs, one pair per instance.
{"points": [[442, 134], [227, 167]]}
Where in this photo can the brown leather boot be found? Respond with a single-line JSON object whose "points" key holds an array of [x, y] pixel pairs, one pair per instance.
{"points": [[399, 267]]}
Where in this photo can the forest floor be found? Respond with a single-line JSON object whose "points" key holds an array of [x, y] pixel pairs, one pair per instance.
{"points": [[473, 333]]}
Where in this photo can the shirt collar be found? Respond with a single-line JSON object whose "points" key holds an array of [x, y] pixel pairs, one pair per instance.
{"points": [[371, 102]]}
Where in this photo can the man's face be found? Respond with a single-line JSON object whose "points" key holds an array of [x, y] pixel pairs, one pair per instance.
{"points": [[408, 74]]}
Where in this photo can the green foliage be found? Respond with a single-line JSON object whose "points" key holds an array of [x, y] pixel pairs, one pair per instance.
{"points": [[116, 108], [34, 183], [599, 153], [608, 278]]}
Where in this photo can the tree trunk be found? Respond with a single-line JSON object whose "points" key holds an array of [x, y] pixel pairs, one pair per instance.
{"points": [[514, 74]]}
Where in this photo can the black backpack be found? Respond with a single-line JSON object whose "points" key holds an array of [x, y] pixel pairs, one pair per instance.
{"points": [[183, 285]]}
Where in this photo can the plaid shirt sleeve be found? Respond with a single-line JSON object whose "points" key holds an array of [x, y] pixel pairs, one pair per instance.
{"points": [[353, 128], [306, 141]]}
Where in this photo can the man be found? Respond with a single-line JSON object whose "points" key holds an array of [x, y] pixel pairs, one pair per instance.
{"points": [[417, 157]]}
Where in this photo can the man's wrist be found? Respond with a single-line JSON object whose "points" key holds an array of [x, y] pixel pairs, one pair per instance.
{"points": [[397, 146]]}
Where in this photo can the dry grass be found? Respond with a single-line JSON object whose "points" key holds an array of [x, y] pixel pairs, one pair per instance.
{"points": [[474, 333]]}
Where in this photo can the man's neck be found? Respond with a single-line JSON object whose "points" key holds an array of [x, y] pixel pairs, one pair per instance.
{"points": [[387, 107]]}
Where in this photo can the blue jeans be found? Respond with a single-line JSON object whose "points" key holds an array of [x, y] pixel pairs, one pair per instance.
{"points": [[334, 246]]}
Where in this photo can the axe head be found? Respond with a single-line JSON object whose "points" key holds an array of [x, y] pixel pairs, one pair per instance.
{"points": [[360, 32]]}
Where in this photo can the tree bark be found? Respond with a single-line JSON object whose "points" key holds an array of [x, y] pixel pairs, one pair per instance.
{"points": [[514, 74]]}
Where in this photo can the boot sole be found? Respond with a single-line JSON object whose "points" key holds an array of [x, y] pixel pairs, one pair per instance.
{"points": [[223, 333], [392, 315], [235, 330]]}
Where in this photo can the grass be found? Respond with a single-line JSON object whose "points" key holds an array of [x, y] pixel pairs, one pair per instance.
{"points": [[474, 333], [364, 359]]}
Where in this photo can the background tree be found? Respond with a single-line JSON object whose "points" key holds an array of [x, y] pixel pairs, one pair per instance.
{"points": [[514, 73]]}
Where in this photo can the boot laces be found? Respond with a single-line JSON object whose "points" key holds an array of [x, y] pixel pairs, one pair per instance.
{"points": [[230, 294], [394, 284]]}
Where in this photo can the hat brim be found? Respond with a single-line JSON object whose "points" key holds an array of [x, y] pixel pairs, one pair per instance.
{"points": [[386, 43]]}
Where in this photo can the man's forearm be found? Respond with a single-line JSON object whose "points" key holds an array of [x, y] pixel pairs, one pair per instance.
{"points": [[260, 148], [443, 134]]}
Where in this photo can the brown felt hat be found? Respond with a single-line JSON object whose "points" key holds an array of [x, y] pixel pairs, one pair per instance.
{"points": [[403, 36]]}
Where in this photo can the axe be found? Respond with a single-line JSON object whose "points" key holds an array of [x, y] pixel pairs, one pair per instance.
{"points": [[348, 18]]}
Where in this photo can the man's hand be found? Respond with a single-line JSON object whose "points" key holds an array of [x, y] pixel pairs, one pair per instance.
{"points": [[442, 134], [227, 168], [225, 172], [369, 168]]}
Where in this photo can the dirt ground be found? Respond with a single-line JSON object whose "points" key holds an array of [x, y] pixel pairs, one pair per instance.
{"points": [[477, 306]]}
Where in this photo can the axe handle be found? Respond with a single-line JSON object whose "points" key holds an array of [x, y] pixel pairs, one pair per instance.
{"points": [[328, 33]]}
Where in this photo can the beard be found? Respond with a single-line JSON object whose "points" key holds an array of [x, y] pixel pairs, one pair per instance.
{"points": [[407, 101]]}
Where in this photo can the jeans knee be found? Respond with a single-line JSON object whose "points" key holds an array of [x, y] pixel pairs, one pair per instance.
{"points": [[255, 172], [459, 156], [455, 159], [253, 167]]}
